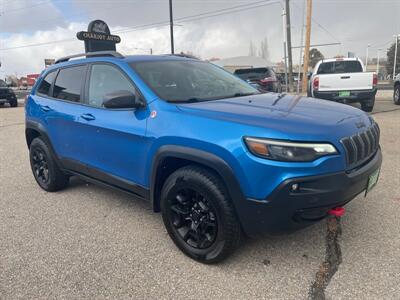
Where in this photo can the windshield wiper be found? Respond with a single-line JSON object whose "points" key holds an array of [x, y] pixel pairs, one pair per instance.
{"points": [[244, 94], [239, 95], [195, 99], [190, 100]]}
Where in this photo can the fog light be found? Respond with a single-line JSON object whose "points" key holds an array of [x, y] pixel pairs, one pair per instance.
{"points": [[295, 186]]}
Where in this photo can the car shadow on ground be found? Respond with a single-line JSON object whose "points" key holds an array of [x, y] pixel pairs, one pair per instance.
{"points": [[303, 248]]}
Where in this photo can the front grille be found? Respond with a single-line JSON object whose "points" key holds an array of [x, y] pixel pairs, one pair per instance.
{"points": [[361, 146]]}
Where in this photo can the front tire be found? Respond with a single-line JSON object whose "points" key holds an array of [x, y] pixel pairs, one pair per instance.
{"points": [[396, 94], [44, 167], [368, 106], [199, 215]]}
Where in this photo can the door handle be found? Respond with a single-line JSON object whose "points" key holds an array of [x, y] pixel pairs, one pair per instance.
{"points": [[45, 108], [345, 77], [88, 117]]}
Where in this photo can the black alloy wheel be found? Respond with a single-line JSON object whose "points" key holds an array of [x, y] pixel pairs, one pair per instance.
{"points": [[40, 166], [198, 214], [193, 218], [45, 168]]}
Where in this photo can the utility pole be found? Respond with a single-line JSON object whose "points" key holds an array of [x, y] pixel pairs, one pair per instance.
{"points": [[301, 49], [395, 57], [307, 45], [366, 57], [171, 26], [284, 47], [289, 45]]}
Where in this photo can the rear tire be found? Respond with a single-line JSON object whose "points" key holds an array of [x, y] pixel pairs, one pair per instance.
{"points": [[368, 106], [199, 215], [44, 167], [396, 94], [13, 102]]}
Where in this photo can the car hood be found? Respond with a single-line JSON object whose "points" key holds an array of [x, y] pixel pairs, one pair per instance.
{"points": [[287, 114]]}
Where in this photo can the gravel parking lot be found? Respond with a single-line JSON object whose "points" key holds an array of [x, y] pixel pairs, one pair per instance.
{"points": [[91, 242]]}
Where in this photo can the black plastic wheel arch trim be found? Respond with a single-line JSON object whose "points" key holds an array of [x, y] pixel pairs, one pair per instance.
{"points": [[211, 161]]}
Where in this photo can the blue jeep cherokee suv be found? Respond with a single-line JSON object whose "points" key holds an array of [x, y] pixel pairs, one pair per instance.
{"points": [[210, 152]]}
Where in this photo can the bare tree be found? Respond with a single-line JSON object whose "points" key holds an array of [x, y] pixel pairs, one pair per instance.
{"points": [[252, 49], [263, 52]]}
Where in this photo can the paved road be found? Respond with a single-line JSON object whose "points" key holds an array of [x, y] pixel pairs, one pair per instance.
{"points": [[91, 242]]}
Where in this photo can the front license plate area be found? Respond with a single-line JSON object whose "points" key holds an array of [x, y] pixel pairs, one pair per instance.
{"points": [[344, 94], [372, 180]]}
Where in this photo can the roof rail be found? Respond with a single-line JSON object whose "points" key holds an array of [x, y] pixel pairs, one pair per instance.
{"points": [[90, 54]]}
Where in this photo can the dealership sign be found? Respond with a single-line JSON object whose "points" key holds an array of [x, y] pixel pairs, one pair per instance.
{"points": [[98, 37]]}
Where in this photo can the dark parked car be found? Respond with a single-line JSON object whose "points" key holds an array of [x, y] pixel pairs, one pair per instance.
{"points": [[265, 78], [7, 95]]}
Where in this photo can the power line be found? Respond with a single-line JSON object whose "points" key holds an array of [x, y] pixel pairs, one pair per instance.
{"points": [[208, 14], [381, 45], [25, 7], [234, 9], [321, 26]]}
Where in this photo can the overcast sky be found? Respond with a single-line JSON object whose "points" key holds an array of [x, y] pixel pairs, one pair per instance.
{"points": [[53, 24]]}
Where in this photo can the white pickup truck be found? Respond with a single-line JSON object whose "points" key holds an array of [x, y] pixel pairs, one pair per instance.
{"points": [[343, 80]]}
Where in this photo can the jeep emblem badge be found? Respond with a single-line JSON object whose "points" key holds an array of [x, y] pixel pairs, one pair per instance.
{"points": [[360, 125]]}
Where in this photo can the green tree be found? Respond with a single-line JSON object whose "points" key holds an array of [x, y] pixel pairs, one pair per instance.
{"points": [[390, 59], [315, 57]]}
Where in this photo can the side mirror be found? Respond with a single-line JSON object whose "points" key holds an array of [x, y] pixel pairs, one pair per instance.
{"points": [[121, 99]]}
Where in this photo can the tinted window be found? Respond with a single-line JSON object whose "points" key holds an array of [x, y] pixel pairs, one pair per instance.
{"points": [[2, 83], [351, 66], [68, 83], [106, 79], [254, 73], [190, 80], [44, 87]]}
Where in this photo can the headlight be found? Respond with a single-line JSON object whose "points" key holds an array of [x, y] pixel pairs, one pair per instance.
{"points": [[288, 151]]}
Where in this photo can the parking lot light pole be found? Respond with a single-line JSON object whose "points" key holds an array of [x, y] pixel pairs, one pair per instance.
{"points": [[377, 63]]}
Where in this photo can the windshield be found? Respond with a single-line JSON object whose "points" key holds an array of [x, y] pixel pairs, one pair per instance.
{"points": [[2, 83], [334, 67], [190, 81]]}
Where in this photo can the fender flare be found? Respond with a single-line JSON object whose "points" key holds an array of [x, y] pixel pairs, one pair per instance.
{"points": [[39, 127], [210, 160]]}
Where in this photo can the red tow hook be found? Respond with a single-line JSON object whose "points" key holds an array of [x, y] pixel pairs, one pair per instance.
{"points": [[337, 211]]}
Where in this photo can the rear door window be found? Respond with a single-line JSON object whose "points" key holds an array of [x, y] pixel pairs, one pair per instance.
{"points": [[69, 83], [335, 67], [45, 85]]}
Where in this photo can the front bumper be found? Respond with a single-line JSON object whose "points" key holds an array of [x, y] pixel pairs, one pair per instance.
{"points": [[355, 96], [286, 210]]}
